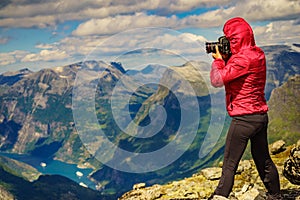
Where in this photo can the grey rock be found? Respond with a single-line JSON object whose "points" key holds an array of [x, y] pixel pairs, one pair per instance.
{"points": [[277, 147], [291, 168], [244, 165], [218, 197], [245, 188], [212, 173], [252, 194], [139, 186]]}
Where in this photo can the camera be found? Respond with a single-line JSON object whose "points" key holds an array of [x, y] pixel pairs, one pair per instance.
{"points": [[223, 45]]}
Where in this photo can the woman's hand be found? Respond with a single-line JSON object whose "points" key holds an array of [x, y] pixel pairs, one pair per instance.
{"points": [[217, 54]]}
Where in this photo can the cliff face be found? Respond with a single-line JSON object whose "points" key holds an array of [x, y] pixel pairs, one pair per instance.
{"points": [[284, 111], [36, 111], [202, 184], [282, 62]]}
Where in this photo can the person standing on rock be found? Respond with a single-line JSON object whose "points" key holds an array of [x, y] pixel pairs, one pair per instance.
{"points": [[244, 78]]}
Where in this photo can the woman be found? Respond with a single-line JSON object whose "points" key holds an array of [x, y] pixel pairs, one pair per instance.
{"points": [[244, 78]]}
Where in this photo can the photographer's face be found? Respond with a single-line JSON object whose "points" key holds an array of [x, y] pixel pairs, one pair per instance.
{"points": [[235, 44]]}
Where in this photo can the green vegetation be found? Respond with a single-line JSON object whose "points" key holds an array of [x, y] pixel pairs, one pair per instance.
{"points": [[19, 169], [47, 187], [55, 111], [284, 112]]}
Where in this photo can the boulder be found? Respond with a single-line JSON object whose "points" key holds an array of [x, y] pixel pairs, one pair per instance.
{"points": [[277, 147], [291, 168]]}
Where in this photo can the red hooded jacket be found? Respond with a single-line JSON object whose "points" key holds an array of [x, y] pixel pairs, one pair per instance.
{"points": [[244, 74]]}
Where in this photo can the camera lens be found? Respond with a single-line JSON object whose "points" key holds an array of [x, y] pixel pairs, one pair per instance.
{"points": [[211, 47]]}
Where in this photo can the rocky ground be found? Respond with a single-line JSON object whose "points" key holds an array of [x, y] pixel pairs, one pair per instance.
{"points": [[5, 195], [247, 186]]}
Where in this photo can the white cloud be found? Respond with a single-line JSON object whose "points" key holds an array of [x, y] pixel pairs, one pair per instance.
{"points": [[193, 37], [28, 22], [259, 10], [44, 46], [112, 25], [106, 18], [171, 6], [31, 58], [252, 11], [11, 57], [19, 9], [48, 13], [91, 8], [46, 55], [79, 46], [167, 40], [66, 48], [6, 59], [269, 10], [179, 43], [278, 32], [103, 48]]}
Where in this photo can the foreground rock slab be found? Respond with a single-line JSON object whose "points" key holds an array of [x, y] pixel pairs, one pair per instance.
{"points": [[247, 186]]}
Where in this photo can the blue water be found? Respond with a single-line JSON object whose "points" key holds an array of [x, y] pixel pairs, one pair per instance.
{"points": [[55, 167]]}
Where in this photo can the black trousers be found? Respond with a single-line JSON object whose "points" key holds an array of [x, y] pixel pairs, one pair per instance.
{"points": [[241, 130]]}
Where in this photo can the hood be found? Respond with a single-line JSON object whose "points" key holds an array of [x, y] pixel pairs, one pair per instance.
{"points": [[239, 33]]}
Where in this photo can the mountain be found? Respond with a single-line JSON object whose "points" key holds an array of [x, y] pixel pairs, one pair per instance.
{"points": [[10, 78], [282, 62], [284, 113], [150, 70], [36, 111], [37, 115]]}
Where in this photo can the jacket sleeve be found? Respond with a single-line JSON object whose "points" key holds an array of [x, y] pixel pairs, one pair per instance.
{"points": [[222, 73]]}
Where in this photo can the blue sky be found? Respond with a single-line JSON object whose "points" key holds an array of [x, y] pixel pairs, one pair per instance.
{"points": [[43, 33]]}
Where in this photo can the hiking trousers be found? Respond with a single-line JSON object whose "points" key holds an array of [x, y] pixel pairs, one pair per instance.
{"points": [[241, 130]]}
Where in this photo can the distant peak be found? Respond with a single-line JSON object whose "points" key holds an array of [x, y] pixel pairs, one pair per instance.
{"points": [[19, 72], [119, 66], [25, 71]]}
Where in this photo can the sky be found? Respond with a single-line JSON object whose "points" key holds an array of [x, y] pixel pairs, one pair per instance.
{"points": [[37, 34]]}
